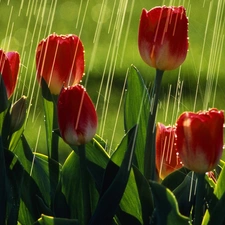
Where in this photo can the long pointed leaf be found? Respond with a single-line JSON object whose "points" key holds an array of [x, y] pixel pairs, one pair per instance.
{"points": [[114, 188], [136, 110]]}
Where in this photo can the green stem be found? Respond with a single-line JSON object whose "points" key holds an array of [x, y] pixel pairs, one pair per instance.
{"points": [[199, 202], [51, 120], [84, 185], [149, 167], [55, 137]]}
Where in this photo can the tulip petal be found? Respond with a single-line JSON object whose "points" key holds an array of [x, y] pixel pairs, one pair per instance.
{"points": [[77, 117], [200, 139], [9, 67], [60, 61], [163, 37]]}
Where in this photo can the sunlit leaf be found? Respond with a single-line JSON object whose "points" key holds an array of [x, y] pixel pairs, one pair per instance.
{"points": [[71, 187], [51, 122], [95, 152], [49, 220], [136, 110], [216, 212]]}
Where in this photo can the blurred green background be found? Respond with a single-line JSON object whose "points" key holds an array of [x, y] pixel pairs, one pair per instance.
{"points": [[108, 30]]}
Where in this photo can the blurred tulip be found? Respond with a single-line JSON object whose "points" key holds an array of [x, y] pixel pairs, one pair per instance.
{"points": [[60, 61], [163, 37], [9, 67], [77, 117], [167, 158], [200, 139], [18, 114]]}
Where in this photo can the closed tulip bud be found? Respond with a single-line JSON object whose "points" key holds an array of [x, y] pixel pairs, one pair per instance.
{"points": [[167, 157], [60, 61], [77, 116], [9, 67], [18, 114], [163, 37], [200, 139]]}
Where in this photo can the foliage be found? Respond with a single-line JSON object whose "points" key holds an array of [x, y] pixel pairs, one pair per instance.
{"points": [[36, 189]]}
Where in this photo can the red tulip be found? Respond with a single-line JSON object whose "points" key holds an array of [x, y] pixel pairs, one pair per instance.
{"points": [[60, 61], [77, 117], [9, 67], [200, 139], [163, 37], [167, 158]]}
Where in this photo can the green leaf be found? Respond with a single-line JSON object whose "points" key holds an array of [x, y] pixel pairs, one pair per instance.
{"points": [[14, 180], [39, 182], [185, 194], [130, 205], [95, 152], [216, 212], [51, 120], [2, 184], [67, 200], [49, 220], [145, 195], [5, 129], [166, 207], [71, 188], [216, 215], [115, 182], [3, 97], [60, 207], [136, 110], [100, 142], [173, 180]]}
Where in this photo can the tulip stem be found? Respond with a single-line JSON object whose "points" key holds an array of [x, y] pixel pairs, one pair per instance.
{"points": [[51, 123], [199, 202], [149, 165], [55, 137], [84, 185]]}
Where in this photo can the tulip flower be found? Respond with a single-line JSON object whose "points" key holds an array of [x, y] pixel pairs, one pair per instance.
{"points": [[77, 117], [167, 158], [60, 61], [9, 67], [200, 139], [163, 37]]}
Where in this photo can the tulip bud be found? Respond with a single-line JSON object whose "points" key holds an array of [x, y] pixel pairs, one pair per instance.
{"points": [[163, 37], [9, 67], [18, 114], [167, 158], [77, 116], [200, 139], [60, 61]]}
